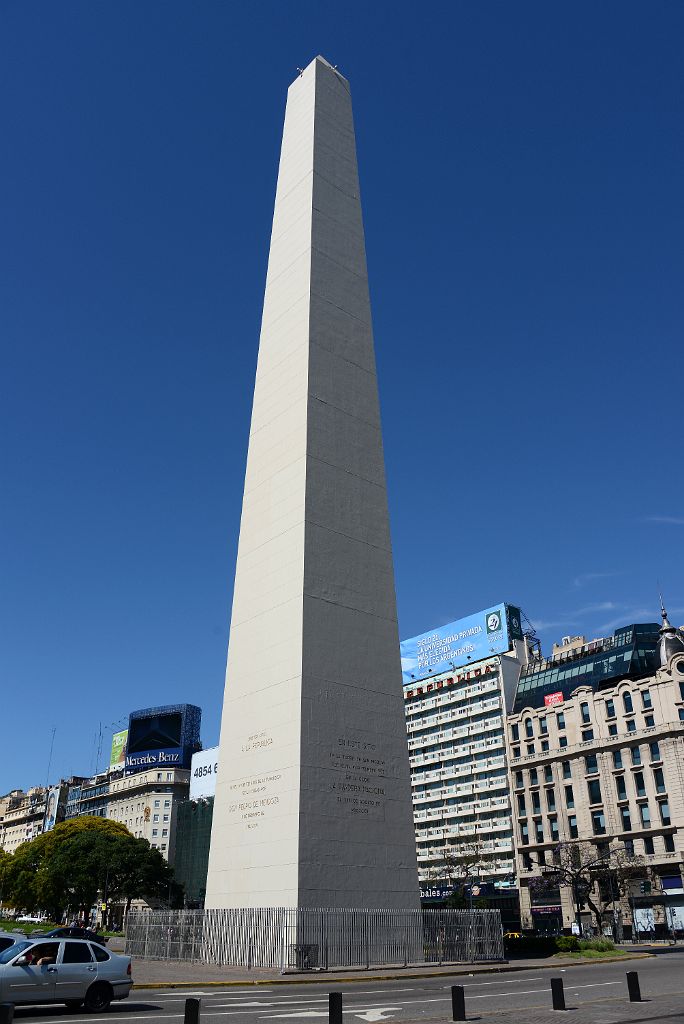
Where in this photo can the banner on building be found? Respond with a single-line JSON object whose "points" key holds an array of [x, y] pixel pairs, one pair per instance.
{"points": [[203, 771], [117, 758], [459, 643], [54, 807]]}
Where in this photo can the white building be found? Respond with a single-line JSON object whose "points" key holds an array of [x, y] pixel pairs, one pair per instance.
{"points": [[455, 722]]}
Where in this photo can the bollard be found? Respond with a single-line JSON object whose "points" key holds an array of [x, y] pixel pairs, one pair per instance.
{"points": [[6, 1013], [192, 1011], [458, 1002], [633, 987], [557, 994], [334, 1008]]}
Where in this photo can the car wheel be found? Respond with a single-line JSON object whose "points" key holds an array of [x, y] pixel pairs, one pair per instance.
{"points": [[74, 1004], [98, 997]]}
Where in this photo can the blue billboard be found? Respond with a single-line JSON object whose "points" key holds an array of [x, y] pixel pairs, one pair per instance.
{"points": [[164, 737], [460, 643]]}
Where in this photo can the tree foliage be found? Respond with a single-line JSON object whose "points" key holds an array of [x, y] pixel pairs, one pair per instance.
{"points": [[81, 859]]}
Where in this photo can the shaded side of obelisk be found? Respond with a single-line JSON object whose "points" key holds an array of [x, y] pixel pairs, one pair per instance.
{"points": [[313, 801]]}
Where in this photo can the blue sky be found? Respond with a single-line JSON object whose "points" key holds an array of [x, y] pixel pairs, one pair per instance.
{"points": [[521, 170]]}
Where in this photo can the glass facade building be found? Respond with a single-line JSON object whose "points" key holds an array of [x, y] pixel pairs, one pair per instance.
{"points": [[631, 653]]}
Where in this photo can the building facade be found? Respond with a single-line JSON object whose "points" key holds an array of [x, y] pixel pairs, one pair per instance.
{"points": [[21, 816], [455, 722], [600, 765]]}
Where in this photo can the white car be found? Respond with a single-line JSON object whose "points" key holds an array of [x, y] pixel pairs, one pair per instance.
{"points": [[71, 971]]}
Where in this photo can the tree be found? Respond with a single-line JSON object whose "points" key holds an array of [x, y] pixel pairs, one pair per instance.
{"points": [[81, 859], [596, 877], [461, 867]]}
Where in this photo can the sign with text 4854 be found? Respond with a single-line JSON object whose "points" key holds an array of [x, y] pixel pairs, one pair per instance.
{"points": [[203, 771]]}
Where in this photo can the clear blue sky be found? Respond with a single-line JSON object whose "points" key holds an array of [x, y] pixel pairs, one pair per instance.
{"points": [[521, 169]]}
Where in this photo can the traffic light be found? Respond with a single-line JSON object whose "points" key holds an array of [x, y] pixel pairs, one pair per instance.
{"points": [[644, 888]]}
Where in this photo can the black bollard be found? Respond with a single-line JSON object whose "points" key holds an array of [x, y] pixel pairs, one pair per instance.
{"points": [[458, 1002], [335, 1008], [633, 987], [192, 1011], [6, 1013], [557, 994]]}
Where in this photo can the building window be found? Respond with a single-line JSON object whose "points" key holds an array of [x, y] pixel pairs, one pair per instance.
{"points": [[169, 776], [669, 844], [165, 832], [543, 726], [621, 787], [533, 777], [639, 784], [529, 748], [659, 780], [155, 831], [649, 721], [587, 734], [521, 804], [584, 711], [159, 776], [610, 709], [598, 823], [155, 817], [631, 725], [569, 797], [636, 755], [515, 752], [562, 741], [550, 800], [519, 780], [629, 847], [612, 729], [515, 733], [553, 823], [528, 729], [594, 789], [539, 831], [524, 834], [617, 759], [156, 803], [665, 812], [567, 772], [163, 846], [560, 720], [648, 845], [548, 773], [645, 815], [681, 689], [646, 699], [527, 862], [654, 749], [536, 802], [626, 819], [167, 803], [544, 746], [166, 817], [627, 703], [591, 764]]}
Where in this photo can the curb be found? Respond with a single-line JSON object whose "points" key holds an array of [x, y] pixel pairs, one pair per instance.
{"points": [[323, 977]]}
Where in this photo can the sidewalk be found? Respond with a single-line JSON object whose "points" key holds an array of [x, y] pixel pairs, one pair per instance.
{"points": [[173, 974]]}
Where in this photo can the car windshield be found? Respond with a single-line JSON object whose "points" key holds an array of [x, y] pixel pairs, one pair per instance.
{"points": [[13, 951]]}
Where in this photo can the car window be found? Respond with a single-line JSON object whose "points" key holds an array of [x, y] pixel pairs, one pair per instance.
{"points": [[76, 953], [44, 951], [12, 951], [101, 955], [6, 942]]}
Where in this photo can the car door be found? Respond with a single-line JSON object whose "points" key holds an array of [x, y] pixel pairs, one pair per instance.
{"points": [[76, 971], [32, 982]]}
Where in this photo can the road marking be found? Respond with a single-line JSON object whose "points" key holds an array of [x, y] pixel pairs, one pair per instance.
{"points": [[381, 1014]]}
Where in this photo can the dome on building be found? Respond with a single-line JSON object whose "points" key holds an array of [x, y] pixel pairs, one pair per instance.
{"points": [[671, 639]]}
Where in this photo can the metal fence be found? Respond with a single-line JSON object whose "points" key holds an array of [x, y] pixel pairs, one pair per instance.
{"points": [[307, 939]]}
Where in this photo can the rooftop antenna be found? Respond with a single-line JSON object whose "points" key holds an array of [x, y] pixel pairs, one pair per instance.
{"points": [[52, 746]]}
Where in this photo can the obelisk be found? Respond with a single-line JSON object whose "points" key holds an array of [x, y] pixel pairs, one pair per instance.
{"points": [[313, 804]]}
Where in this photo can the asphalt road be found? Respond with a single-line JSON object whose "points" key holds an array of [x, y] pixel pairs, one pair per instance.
{"points": [[410, 999]]}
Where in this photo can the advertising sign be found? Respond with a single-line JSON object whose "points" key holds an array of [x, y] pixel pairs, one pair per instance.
{"points": [[553, 698], [459, 643], [117, 757], [203, 771], [54, 808]]}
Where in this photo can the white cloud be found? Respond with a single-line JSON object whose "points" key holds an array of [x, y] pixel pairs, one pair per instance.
{"points": [[588, 577], [668, 520]]}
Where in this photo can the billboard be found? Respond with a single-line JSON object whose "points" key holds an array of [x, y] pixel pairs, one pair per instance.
{"points": [[54, 807], [459, 643], [551, 699], [164, 737], [117, 758], [203, 772]]}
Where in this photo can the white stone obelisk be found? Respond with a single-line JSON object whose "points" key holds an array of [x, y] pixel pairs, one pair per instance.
{"points": [[313, 804]]}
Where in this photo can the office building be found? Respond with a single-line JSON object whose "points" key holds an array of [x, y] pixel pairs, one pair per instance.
{"points": [[600, 763]]}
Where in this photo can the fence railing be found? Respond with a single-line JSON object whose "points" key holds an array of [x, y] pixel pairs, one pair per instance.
{"points": [[308, 939]]}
